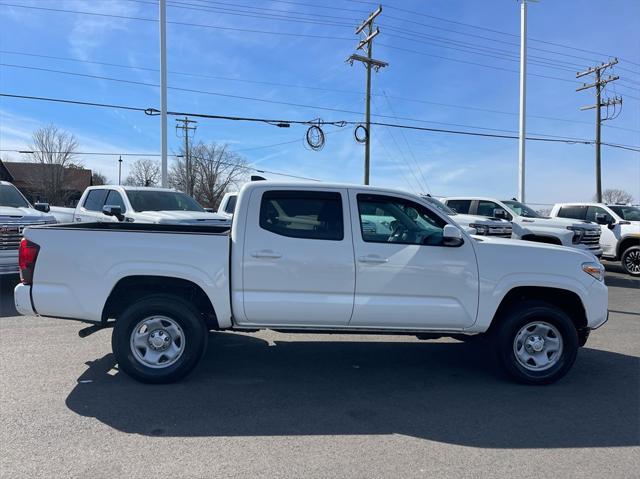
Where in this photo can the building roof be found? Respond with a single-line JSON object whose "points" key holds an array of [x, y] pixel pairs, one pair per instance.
{"points": [[74, 178]]}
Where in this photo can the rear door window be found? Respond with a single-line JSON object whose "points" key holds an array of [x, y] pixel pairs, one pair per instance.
{"points": [[303, 214], [460, 206], [486, 208], [95, 199]]}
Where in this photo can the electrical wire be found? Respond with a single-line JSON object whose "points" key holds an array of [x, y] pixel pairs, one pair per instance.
{"points": [[543, 138]]}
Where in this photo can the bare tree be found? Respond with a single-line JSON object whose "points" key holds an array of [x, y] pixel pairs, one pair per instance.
{"points": [[143, 172], [614, 195], [54, 150], [213, 170], [98, 178]]}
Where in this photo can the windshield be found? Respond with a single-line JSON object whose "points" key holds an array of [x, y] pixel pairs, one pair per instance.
{"points": [[521, 209], [10, 196], [440, 205], [154, 200], [628, 213]]}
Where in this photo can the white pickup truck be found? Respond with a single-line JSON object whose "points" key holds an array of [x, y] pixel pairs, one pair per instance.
{"points": [[620, 225], [112, 203], [16, 213], [304, 258], [530, 226]]}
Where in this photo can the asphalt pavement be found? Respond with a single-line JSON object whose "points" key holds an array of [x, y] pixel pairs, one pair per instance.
{"points": [[293, 405]]}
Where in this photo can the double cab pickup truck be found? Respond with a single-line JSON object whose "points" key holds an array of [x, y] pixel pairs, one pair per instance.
{"points": [[304, 258]]}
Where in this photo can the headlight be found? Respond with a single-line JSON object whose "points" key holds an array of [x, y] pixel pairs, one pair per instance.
{"points": [[480, 229], [578, 234], [594, 269]]}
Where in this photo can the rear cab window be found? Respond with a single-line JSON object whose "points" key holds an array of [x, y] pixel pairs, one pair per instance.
{"points": [[303, 214]]}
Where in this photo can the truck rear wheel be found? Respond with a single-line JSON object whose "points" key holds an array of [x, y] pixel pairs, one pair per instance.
{"points": [[631, 261], [159, 339], [536, 343]]}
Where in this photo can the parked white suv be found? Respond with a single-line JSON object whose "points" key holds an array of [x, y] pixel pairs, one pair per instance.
{"points": [[620, 226], [16, 213], [482, 225], [529, 225]]}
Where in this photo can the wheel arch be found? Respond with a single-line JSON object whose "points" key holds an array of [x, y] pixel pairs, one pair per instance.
{"points": [[626, 243], [130, 288], [567, 300]]}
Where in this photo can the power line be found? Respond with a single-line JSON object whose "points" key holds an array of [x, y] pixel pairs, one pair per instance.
{"points": [[543, 138], [300, 86]]}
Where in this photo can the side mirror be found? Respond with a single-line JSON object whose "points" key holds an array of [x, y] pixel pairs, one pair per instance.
{"points": [[452, 236], [500, 213], [601, 219], [209, 210], [113, 210], [43, 207]]}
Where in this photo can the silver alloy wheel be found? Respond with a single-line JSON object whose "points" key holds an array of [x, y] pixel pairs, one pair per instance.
{"points": [[632, 261], [157, 342], [538, 346]]}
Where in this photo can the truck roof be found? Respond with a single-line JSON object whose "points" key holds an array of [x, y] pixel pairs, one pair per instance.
{"points": [[322, 185], [131, 188]]}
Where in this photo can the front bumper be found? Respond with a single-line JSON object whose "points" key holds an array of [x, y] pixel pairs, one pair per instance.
{"points": [[596, 304], [9, 261], [22, 300]]}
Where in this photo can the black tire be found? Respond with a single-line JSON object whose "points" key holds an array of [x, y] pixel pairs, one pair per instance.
{"points": [[513, 322], [631, 261], [191, 341]]}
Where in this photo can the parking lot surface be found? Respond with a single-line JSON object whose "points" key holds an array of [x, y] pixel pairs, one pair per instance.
{"points": [[286, 405]]}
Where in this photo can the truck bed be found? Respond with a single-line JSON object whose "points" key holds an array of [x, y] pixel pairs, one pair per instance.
{"points": [[79, 265]]}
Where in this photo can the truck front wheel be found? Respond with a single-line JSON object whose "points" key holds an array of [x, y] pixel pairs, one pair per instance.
{"points": [[631, 260], [159, 339], [536, 342]]}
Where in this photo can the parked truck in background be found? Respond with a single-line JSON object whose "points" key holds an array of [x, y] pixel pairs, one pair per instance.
{"points": [[482, 225], [620, 226], [302, 258], [137, 204], [16, 213], [529, 225]]}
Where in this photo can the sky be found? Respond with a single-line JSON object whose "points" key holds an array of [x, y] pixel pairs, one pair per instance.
{"points": [[453, 64]]}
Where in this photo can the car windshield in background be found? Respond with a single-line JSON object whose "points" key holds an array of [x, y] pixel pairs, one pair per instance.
{"points": [[154, 200], [440, 205], [9, 196], [521, 209], [628, 213]]}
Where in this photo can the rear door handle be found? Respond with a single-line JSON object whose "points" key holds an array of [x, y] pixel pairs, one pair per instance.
{"points": [[373, 259], [266, 253]]}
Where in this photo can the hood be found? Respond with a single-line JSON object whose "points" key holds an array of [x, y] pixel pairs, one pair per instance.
{"points": [[10, 214], [181, 217], [556, 222], [509, 256]]}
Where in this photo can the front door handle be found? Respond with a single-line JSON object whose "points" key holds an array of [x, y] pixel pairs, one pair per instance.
{"points": [[266, 253], [373, 259]]}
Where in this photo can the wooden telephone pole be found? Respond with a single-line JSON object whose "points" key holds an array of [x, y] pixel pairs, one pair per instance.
{"points": [[370, 63], [609, 102]]}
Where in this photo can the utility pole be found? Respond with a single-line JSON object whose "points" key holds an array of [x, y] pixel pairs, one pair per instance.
{"points": [[370, 63], [183, 124], [120, 170], [163, 90], [599, 83], [523, 101]]}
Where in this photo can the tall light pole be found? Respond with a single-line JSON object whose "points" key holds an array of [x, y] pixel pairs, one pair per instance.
{"points": [[523, 99], [163, 88], [120, 170]]}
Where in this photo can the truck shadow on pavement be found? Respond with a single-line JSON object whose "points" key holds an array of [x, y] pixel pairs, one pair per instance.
{"points": [[442, 392]]}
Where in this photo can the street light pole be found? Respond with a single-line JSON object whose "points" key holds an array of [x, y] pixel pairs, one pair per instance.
{"points": [[523, 100], [120, 170], [163, 88]]}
